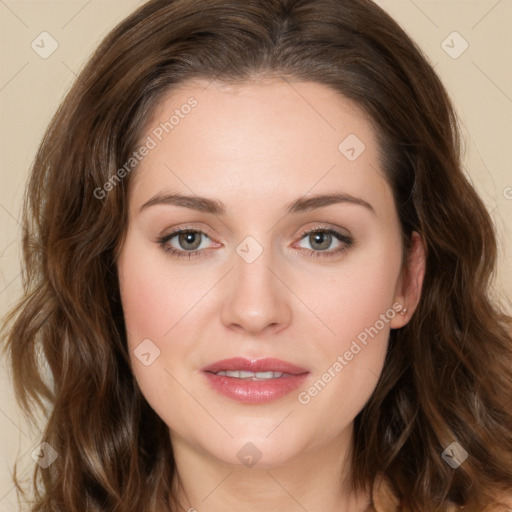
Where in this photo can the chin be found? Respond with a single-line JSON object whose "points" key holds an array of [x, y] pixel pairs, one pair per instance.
{"points": [[258, 451]]}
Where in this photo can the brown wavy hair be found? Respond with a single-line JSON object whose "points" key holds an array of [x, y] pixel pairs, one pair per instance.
{"points": [[448, 373]]}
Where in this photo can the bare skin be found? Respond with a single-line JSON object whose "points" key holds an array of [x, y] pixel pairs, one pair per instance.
{"points": [[257, 148]]}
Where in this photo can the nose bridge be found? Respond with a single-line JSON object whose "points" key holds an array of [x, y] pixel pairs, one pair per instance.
{"points": [[252, 263], [257, 297]]}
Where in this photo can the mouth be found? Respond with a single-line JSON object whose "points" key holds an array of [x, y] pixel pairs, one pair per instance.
{"points": [[252, 375], [254, 381]]}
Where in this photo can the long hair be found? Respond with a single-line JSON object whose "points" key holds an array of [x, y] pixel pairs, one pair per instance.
{"points": [[448, 373]]}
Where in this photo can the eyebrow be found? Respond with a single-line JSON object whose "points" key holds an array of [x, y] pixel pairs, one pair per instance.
{"points": [[216, 207]]}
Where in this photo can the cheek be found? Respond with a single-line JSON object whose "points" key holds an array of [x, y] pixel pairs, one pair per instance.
{"points": [[147, 305], [357, 293], [153, 295]]}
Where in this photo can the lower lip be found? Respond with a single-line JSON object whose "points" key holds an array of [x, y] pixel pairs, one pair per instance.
{"points": [[254, 391]]}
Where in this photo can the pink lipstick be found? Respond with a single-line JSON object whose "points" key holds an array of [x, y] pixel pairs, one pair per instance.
{"points": [[254, 382]]}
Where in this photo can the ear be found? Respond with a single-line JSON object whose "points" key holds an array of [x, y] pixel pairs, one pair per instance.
{"points": [[408, 289]]}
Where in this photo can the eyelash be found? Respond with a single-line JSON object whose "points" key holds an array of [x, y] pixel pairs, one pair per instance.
{"points": [[179, 254]]}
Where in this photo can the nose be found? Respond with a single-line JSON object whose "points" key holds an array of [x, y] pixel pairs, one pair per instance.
{"points": [[257, 300]]}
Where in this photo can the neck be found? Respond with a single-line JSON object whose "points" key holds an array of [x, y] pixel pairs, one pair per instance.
{"points": [[316, 479]]}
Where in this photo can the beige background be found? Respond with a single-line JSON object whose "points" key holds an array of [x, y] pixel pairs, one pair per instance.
{"points": [[479, 81]]}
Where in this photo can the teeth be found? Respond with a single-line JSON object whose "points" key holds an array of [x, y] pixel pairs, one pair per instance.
{"points": [[250, 375]]}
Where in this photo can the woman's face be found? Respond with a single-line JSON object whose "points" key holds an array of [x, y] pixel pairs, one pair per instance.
{"points": [[260, 165]]}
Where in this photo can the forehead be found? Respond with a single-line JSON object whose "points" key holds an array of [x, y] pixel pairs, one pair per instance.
{"points": [[262, 140]]}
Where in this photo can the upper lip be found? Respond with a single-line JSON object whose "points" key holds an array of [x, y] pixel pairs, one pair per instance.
{"points": [[260, 365]]}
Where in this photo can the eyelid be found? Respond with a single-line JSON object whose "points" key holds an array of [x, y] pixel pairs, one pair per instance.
{"points": [[324, 227], [187, 227]]}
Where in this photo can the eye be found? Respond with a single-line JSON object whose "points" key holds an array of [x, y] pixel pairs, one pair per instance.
{"points": [[188, 240], [321, 239], [187, 243]]}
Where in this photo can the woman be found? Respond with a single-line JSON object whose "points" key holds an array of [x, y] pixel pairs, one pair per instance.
{"points": [[258, 275]]}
